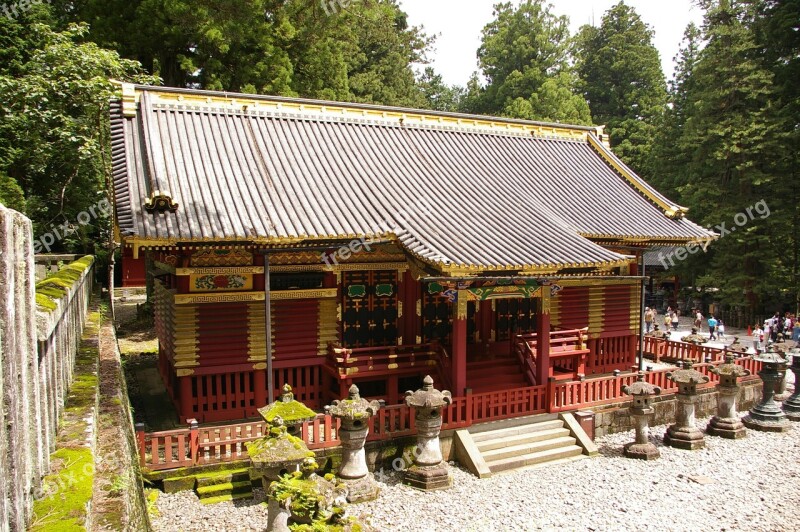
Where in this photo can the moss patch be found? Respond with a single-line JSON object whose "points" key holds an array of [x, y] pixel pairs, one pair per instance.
{"points": [[67, 493], [55, 287]]}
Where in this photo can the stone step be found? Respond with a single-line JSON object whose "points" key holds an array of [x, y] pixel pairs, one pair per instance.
{"points": [[224, 477], [521, 439], [521, 449], [227, 497], [516, 462], [512, 430], [227, 491]]}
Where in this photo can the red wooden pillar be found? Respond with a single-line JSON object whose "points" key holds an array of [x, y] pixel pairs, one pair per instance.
{"points": [[185, 385], [260, 385], [543, 337], [459, 376]]}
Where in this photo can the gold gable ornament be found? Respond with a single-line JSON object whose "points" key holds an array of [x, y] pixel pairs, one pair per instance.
{"points": [[160, 202]]}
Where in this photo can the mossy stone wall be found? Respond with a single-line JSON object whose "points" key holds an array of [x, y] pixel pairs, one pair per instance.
{"points": [[40, 327]]}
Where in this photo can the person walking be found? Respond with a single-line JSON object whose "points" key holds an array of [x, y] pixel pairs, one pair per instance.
{"points": [[675, 321], [758, 335], [721, 330], [712, 328], [648, 319], [667, 321]]}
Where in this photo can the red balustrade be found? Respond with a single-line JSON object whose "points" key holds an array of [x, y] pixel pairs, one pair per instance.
{"points": [[222, 396], [213, 444], [567, 352], [321, 433], [226, 443], [387, 361]]}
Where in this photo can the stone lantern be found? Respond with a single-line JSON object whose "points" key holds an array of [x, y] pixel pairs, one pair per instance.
{"points": [[292, 412], [726, 423], [281, 450], [782, 348], [429, 471], [694, 338], [354, 413], [737, 348], [641, 408], [767, 415], [304, 500], [684, 434], [791, 406]]}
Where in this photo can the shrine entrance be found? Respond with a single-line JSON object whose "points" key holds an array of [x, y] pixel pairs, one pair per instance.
{"points": [[369, 308]]}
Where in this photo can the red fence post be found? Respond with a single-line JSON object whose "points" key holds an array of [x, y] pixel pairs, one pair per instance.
{"points": [[140, 442], [194, 444], [468, 407]]}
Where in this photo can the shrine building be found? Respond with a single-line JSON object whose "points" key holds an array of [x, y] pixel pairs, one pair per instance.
{"points": [[376, 245]]}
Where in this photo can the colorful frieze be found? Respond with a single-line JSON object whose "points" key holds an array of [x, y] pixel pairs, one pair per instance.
{"points": [[222, 257], [524, 288], [221, 282]]}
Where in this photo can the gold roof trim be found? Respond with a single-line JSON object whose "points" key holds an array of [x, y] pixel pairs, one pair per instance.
{"points": [[676, 212], [244, 103]]}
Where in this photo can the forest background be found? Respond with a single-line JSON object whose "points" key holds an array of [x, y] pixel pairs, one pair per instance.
{"points": [[719, 137]]}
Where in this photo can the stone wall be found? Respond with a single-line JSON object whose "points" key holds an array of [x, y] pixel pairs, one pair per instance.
{"points": [[37, 348], [119, 502]]}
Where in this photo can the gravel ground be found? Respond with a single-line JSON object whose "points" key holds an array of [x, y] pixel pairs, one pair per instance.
{"points": [[749, 484]]}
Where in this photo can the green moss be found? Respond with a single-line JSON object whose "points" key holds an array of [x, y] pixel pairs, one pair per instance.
{"points": [[67, 493], [45, 303], [55, 287], [291, 412], [151, 498]]}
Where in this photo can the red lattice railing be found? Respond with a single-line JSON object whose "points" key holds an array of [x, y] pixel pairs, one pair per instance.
{"points": [[213, 444]]}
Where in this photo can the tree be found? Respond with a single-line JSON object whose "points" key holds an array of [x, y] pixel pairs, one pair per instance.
{"points": [[362, 53], [621, 78], [11, 195], [524, 58], [778, 37], [667, 168], [54, 122], [437, 94], [729, 142]]}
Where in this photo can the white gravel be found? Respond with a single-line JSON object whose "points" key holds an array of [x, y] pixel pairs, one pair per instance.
{"points": [[753, 484]]}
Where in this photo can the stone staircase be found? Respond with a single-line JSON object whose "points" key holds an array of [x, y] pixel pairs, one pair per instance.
{"points": [[500, 373], [215, 486], [507, 445]]}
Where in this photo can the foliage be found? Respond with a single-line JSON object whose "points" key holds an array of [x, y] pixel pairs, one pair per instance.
{"points": [[437, 94], [524, 58], [53, 120], [730, 150], [362, 53], [11, 194], [621, 78]]}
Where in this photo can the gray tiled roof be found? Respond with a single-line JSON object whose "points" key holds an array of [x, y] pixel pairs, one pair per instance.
{"points": [[451, 196]]}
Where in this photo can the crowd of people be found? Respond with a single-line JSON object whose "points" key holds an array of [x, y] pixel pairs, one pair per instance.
{"points": [[773, 328]]}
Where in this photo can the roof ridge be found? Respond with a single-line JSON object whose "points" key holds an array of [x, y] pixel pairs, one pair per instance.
{"points": [[387, 114]]}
